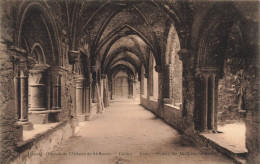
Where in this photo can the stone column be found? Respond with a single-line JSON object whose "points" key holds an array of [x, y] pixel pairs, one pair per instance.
{"points": [[205, 109], [105, 92], [79, 95], [23, 119], [207, 93], [213, 103], [130, 88], [87, 99], [188, 90], [37, 88], [166, 82], [155, 83], [55, 91], [17, 90], [102, 87], [90, 89], [134, 88], [81, 115]]}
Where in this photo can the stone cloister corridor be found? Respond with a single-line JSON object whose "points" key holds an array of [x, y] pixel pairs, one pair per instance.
{"points": [[134, 135], [123, 76]]}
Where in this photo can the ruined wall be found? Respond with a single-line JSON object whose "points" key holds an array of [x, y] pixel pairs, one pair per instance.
{"points": [[7, 108], [253, 114], [7, 105], [176, 79], [228, 97], [67, 88]]}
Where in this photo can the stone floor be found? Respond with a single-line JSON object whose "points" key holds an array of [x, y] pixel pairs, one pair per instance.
{"points": [[127, 133]]}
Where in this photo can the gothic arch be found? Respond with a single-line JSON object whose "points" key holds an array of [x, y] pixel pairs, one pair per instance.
{"points": [[40, 10]]}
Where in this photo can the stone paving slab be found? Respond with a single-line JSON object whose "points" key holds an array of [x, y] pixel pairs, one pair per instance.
{"points": [[127, 133]]}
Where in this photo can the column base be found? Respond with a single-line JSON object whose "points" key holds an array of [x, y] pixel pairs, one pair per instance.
{"points": [[210, 131], [27, 126], [90, 117], [82, 117], [44, 117], [167, 101], [37, 109], [55, 108], [75, 122], [18, 132]]}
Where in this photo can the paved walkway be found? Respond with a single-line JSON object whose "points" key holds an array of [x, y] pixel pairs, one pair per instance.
{"points": [[127, 133]]}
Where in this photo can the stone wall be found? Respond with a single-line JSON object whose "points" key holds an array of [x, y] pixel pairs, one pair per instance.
{"points": [[7, 108], [9, 132], [67, 88], [171, 114], [37, 149], [228, 99], [176, 79]]}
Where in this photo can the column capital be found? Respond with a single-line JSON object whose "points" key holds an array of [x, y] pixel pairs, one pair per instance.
{"points": [[184, 54], [39, 68], [23, 68], [206, 72], [93, 68], [103, 76], [80, 81], [37, 74], [17, 52], [158, 68], [73, 55]]}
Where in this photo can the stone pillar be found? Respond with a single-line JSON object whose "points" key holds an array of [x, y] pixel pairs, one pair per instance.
{"points": [[102, 88], [205, 109], [88, 99], [188, 82], [37, 88], [207, 95], [166, 82], [23, 119], [17, 91], [81, 115], [105, 92], [49, 88], [90, 89], [148, 86], [134, 88], [130, 88], [213, 103], [157, 70], [55, 90], [141, 85]]}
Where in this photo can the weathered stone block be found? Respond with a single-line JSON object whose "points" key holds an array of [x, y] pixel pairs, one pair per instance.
{"points": [[39, 118]]}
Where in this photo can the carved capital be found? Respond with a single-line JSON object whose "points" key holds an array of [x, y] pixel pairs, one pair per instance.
{"points": [[17, 52], [23, 68], [73, 56], [37, 74], [93, 68], [207, 72], [80, 81], [184, 55], [158, 68], [103, 76]]}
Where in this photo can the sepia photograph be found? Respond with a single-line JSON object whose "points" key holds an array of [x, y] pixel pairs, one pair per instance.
{"points": [[129, 82]]}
